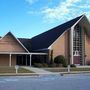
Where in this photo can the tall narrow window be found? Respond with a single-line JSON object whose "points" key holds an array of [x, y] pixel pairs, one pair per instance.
{"points": [[77, 41]]}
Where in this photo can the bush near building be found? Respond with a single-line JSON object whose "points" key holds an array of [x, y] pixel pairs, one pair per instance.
{"points": [[38, 65], [60, 59], [72, 65]]}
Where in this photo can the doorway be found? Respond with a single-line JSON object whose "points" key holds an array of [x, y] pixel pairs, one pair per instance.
{"points": [[23, 60]]}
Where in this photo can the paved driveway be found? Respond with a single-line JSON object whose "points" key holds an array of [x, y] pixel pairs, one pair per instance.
{"points": [[50, 82]]}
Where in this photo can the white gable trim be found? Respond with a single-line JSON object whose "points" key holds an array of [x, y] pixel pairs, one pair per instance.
{"points": [[78, 21], [16, 40], [50, 47]]}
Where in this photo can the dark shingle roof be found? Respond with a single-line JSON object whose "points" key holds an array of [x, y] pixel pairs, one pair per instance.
{"points": [[26, 43], [44, 40]]}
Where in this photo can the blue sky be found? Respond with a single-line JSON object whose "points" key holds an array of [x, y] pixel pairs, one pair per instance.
{"points": [[27, 18]]}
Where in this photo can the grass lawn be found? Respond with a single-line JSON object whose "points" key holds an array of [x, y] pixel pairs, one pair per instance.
{"points": [[65, 69], [12, 70], [80, 69]]}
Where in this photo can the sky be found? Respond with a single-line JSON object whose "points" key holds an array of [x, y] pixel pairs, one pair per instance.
{"points": [[28, 18]]}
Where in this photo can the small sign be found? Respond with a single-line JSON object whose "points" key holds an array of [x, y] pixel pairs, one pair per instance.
{"points": [[16, 67], [68, 68]]}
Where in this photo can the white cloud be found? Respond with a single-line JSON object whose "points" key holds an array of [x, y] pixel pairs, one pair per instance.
{"points": [[66, 10], [33, 12], [85, 6], [31, 1]]}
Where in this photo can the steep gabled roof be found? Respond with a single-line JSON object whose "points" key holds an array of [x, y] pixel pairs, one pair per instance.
{"points": [[44, 40], [9, 33], [26, 43]]}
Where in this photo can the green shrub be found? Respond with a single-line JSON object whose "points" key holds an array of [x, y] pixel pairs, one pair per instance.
{"points": [[60, 60], [72, 65], [64, 63], [45, 65], [51, 60], [52, 65], [38, 65], [59, 65]]}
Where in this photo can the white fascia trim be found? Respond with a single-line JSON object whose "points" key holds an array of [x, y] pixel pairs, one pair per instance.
{"points": [[41, 49], [17, 41], [71, 41], [78, 21], [50, 47], [3, 37], [21, 53], [22, 45]]}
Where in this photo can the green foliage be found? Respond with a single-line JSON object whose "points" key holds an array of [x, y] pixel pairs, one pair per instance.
{"points": [[51, 61], [38, 65], [52, 65], [72, 65], [45, 65], [60, 60]]}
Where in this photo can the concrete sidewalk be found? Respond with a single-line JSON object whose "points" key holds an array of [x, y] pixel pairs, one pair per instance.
{"points": [[38, 70]]}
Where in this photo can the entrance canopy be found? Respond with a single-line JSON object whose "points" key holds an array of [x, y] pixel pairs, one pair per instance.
{"points": [[20, 53]]}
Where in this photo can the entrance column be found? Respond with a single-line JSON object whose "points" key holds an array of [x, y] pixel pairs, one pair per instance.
{"points": [[71, 45], [30, 59], [26, 61], [10, 60]]}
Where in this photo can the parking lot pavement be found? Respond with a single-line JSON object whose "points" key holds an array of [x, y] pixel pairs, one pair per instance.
{"points": [[51, 82]]}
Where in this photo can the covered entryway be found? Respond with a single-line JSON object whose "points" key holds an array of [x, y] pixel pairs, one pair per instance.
{"points": [[5, 59], [22, 59], [25, 59]]}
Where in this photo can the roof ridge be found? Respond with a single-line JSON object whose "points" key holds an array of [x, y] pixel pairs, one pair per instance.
{"points": [[48, 37], [16, 40], [23, 38], [59, 25]]}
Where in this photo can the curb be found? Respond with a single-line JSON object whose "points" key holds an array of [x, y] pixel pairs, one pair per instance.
{"points": [[38, 74], [19, 74]]}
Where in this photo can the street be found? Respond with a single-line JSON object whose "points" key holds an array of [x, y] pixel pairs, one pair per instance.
{"points": [[48, 82]]}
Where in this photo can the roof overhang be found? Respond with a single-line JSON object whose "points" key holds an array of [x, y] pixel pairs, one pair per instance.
{"points": [[16, 40], [86, 24], [21, 53], [83, 21], [41, 49]]}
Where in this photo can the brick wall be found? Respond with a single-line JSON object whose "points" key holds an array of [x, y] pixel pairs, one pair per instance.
{"points": [[4, 60], [87, 49], [61, 46]]}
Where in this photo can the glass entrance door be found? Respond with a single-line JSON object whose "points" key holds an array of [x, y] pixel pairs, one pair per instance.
{"points": [[23, 60]]}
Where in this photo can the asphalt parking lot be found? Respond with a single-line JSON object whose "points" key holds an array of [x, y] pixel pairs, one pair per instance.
{"points": [[48, 82]]}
